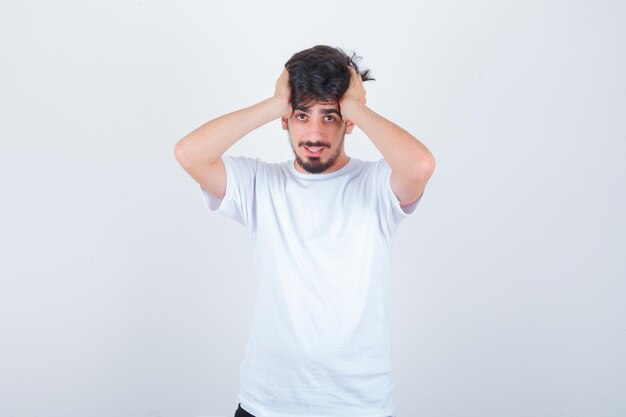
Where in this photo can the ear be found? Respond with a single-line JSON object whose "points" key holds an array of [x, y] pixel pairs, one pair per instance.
{"points": [[349, 127], [284, 123]]}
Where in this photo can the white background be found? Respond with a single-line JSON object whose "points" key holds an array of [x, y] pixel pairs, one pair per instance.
{"points": [[122, 296]]}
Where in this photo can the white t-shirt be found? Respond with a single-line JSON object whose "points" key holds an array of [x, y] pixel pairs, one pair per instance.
{"points": [[319, 344]]}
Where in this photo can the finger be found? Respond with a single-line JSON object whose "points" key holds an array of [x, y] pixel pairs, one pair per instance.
{"points": [[354, 76]]}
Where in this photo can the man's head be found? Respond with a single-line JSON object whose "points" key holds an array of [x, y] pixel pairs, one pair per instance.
{"points": [[321, 74], [318, 78]]}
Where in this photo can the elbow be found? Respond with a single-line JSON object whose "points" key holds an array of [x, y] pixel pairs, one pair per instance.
{"points": [[426, 167], [431, 165], [179, 154]]}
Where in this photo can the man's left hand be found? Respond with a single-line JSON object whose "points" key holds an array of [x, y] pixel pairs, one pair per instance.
{"points": [[354, 96]]}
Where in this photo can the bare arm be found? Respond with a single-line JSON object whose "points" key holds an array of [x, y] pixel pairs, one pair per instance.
{"points": [[200, 152], [411, 162], [207, 143]]}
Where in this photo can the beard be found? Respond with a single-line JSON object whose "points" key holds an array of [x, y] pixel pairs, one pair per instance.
{"points": [[315, 164]]}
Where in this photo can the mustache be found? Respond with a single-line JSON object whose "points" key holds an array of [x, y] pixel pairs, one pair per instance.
{"points": [[314, 145]]}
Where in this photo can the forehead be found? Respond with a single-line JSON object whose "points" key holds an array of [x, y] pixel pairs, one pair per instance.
{"points": [[318, 107]]}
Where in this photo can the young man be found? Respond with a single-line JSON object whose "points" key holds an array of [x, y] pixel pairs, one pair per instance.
{"points": [[322, 226]]}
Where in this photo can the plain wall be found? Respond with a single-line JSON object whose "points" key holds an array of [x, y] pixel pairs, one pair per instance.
{"points": [[121, 295]]}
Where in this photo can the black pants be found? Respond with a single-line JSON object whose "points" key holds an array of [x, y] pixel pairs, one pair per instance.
{"points": [[242, 413]]}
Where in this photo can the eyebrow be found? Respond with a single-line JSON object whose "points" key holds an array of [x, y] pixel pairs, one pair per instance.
{"points": [[323, 111]]}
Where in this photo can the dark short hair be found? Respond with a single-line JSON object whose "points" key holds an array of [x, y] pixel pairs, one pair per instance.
{"points": [[321, 73]]}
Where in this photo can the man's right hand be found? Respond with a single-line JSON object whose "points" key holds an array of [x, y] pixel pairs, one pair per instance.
{"points": [[282, 94], [200, 151]]}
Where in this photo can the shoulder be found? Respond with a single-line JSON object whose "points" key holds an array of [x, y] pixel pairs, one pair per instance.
{"points": [[246, 163]]}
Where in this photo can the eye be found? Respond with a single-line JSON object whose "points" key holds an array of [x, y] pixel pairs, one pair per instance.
{"points": [[330, 118], [301, 116]]}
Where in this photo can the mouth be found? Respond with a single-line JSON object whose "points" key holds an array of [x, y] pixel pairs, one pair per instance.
{"points": [[314, 150]]}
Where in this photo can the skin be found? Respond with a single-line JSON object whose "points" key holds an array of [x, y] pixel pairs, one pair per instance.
{"points": [[410, 161], [318, 125]]}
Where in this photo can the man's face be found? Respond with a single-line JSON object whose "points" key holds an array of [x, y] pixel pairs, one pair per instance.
{"points": [[314, 127]]}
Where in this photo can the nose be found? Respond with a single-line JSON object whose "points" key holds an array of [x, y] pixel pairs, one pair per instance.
{"points": [[315, 130]]}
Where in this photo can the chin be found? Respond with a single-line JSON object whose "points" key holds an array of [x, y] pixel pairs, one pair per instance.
{"points": [[316, 166]]}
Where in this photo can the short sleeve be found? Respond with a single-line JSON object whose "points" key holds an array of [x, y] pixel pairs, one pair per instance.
{"points": [[389, 205], [239, 200]]}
